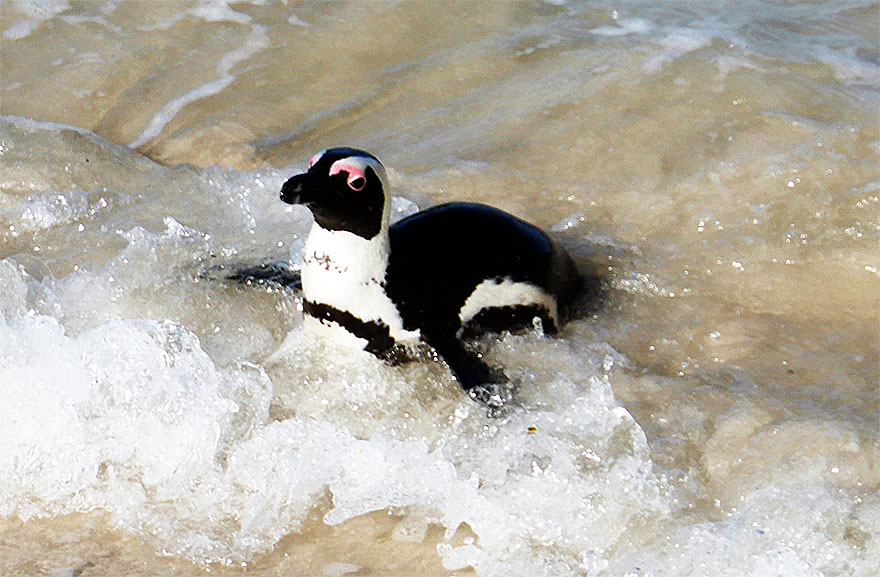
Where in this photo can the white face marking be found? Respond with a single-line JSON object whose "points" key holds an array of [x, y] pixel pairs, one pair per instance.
{"points": [[357, 179], [490, 293], [358, 165]]}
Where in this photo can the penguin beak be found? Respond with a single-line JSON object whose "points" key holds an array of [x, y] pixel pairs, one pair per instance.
{"points": [[292, 191]]}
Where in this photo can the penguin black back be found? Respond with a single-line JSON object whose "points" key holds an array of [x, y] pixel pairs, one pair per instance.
{"points": [[441, 255]]}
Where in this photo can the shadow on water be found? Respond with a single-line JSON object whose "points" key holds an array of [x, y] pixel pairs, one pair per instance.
{"points": [[591, 260]]}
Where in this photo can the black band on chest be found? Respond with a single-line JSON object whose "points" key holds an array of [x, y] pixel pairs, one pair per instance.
{"points": [[377, 334]]}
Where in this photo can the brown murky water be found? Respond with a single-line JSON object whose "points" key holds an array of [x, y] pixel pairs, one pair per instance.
{"points": [[717, 415]]}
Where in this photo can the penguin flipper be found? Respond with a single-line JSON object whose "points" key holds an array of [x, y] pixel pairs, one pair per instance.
{"points": [[273, 272]]}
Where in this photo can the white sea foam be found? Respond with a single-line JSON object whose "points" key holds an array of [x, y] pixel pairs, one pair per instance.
{"points": [[255, 42], [624, 27], [20, 29], [297, 21], [848, 67], [775, 532], [45, 211], [208, 10], [135, 418], [38, 11], [219, 11], [676, 44]]}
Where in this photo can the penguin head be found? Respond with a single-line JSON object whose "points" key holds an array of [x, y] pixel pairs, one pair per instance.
{"points": [[345, 189]]}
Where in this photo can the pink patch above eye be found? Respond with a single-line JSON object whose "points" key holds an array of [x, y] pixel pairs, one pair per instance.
{"points": [[315, 159], [357, 180]]}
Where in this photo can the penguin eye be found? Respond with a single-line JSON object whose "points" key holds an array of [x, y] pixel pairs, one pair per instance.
{"points": [[355, 176], [356, 182]]}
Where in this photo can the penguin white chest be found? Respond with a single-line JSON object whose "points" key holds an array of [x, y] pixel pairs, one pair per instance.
{"points": [[342, 279]]}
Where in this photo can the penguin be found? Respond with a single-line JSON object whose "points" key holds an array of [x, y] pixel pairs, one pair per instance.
{"points": [[437, 277]]}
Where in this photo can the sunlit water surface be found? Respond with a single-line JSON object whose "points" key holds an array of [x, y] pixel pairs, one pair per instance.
{"points": [[717, 163]]}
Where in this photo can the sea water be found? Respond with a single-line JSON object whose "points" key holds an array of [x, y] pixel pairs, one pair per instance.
{"points": [[715, 414]]}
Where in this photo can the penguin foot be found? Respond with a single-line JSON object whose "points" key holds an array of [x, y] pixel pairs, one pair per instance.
{"points": [[495, 396]]}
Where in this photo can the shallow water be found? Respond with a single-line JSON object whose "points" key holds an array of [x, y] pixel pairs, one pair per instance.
{"points": [[718, 415]]}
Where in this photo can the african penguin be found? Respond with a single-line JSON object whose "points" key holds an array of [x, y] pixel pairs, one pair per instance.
{"points": [[452, 269]]}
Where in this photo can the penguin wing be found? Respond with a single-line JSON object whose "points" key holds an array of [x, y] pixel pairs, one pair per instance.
{"points": [[440, 255]]}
